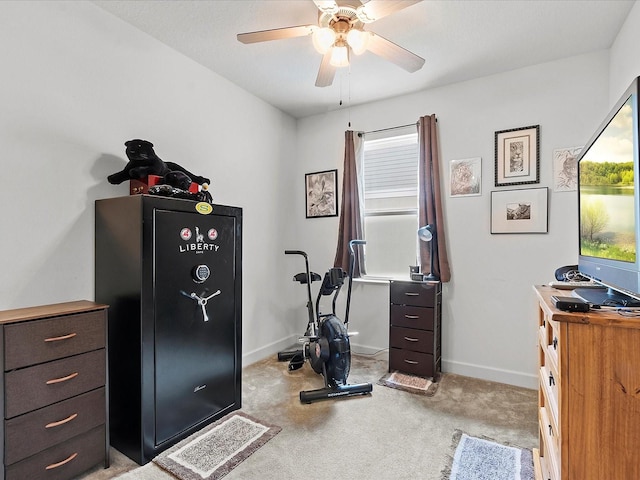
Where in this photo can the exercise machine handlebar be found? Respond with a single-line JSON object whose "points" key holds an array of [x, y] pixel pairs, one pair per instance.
{"points": [[352, 261], [310, 311]]}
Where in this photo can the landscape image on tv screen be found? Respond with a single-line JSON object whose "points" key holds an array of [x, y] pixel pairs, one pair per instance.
{"points": [[607, 210]]}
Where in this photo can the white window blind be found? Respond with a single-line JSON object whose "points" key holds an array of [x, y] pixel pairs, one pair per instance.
{"points": [[390, 180], [391, 167]]}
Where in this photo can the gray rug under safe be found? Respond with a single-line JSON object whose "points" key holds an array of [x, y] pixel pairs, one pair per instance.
{"points": [[483, 459], [217, 449], [409, 383]]}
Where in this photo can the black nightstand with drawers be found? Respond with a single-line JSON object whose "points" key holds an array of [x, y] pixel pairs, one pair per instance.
{"points": [[415, 324]]}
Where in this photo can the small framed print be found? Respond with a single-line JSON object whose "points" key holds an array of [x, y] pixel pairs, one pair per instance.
{"points": [[520, 211], [565, 169], [321, 199], [517, 156], [465, 177]]}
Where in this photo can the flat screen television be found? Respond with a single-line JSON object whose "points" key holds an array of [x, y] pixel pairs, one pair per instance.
{"points": [[608, 207]]}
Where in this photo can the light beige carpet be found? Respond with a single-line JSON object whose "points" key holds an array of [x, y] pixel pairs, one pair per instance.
{"points": [[390, 434]]}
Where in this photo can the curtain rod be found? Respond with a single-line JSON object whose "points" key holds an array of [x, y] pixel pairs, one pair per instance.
{"points": [[390, 128]]}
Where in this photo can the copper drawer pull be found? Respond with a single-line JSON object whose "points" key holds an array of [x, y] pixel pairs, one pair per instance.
{"points": [[63, 379], [411, 294], [59, 464], [412, 317], [61, 422], [63, 337], [410, 362], [409, 339]]}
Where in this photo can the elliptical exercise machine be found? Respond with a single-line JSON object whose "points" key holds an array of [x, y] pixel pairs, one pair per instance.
{"points": [[326, 340]]}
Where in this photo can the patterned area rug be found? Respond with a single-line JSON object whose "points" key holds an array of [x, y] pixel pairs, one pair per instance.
{"points": [[218, 448], [483, 459], [409, 383]]}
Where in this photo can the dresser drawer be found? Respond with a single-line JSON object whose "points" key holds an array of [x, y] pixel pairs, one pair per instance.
{"points": [[62, 461], [38, 341], [33, 432], [411, 339], [413, 293], [35, 387], [415, 363], [412, 317]]}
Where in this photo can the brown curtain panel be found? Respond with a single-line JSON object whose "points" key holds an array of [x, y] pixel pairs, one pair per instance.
{"points": [[350, 226], [429, 199]]}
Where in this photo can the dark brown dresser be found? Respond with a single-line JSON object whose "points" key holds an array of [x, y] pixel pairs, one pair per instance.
{"points": [[415, 323], [54, 390]]}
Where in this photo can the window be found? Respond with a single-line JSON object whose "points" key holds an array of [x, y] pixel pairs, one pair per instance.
{"points": [[390, 183]]}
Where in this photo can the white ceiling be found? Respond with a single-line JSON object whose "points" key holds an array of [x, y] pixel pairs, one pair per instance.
{"points": [[460, 40]]}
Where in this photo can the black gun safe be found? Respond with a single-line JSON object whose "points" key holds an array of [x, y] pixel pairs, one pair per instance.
{"points": [[171, 271]]}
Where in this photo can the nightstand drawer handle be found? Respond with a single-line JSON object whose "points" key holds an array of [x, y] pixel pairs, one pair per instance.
{"points": [[409, 339], [412, 317], [59, 464], [63, 337], [410, 362], [411, 294], [61, 422], [63, 379]]}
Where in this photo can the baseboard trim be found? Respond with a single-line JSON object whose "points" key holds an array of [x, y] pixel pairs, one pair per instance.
{"points": [[492, 374], [358, 349], [499, 375], [268, 350]]}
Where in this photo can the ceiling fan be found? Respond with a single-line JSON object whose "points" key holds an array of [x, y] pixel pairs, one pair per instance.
{"points": [[340, 32]]}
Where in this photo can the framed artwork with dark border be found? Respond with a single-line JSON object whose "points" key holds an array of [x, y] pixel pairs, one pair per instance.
{"points": [[320, 194], [520, 211], [517, 156]]}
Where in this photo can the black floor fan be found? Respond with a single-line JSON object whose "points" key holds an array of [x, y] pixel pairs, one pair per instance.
{"points": [[326, 340]]}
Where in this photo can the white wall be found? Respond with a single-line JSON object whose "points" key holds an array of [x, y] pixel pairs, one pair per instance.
{"points": [[489, 324], [76, 84], [625, 62]]}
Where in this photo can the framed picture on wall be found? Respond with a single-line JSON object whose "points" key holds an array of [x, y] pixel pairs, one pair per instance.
{"points": [[565, 169], [519, 211], [517, 156], [465, 177], [321, 199]]}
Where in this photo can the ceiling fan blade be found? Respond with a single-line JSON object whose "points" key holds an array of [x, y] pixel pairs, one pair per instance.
{"points": [[394, 53], [276, 34], [326, 72], [376, 9], [328, 6]]}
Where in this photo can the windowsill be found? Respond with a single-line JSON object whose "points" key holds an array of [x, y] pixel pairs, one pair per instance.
{"points": [[374, 280], [379, 280]]}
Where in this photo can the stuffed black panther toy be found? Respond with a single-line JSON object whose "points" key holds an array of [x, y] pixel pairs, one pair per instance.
{"points": [[143, 162]]}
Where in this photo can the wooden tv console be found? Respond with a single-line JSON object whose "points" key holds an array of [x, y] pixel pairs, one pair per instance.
{"points": [[589, 393]]}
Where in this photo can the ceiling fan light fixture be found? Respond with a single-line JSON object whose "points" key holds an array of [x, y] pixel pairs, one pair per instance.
{"points": [[340, 56], [323, 39], [358, 40]]}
